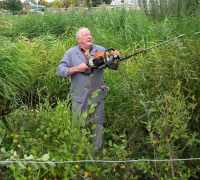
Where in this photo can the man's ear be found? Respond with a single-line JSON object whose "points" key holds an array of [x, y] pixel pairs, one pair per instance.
{"points": [[78, 39]]}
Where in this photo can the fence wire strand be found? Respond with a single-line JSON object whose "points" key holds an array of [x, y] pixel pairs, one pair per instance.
{"points": [[94, 161]]}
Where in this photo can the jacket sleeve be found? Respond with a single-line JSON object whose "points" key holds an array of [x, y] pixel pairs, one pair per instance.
{"points": [[64, 66]]}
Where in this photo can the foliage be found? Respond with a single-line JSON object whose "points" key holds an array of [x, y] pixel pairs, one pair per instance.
{"points": [[151, 109], [51, 133], [24, 61], [57, 4], [159, 9], [16, 72], [13, 5], [69, 3]]}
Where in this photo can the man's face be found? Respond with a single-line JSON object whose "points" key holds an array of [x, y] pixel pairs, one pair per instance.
{"points": [[85, 39]]}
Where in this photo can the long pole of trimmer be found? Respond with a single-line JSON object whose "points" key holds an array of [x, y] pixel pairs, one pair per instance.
{"points": [[145, 50]]}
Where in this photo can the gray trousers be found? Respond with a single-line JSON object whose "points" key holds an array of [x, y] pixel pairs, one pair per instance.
{"points": [[97, 116], [97, 132], [97, 139]]}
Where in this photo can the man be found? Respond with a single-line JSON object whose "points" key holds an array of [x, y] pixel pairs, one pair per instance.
{"points": [[83, 84]]}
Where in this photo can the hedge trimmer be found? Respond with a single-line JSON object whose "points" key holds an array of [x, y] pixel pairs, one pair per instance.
{"points": [[103, 60]]}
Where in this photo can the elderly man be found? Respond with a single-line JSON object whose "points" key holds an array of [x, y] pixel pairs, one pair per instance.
{"points": [[73, 65]]}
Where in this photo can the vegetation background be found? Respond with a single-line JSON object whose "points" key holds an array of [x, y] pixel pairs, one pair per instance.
{"points": [[152, 109]]}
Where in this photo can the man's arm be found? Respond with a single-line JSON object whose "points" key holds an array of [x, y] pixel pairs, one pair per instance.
{"points": [[66, 68]]}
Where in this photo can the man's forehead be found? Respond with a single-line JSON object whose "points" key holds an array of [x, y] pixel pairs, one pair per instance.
{"points": [[85, 31]]}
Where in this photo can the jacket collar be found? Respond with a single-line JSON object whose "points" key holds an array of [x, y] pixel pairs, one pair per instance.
{"points": [[93, 51]]}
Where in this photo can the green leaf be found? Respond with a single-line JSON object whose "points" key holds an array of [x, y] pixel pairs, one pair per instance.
{"points": [[45, 157], [21, 165], [43, 166], [3, 150], [89, 101], [95, 93], [110, 143], [93, 105], [66, 132], [12, 167], [84, 114], [79, 152], [35, 166], [152, 110], [28, 157], [91, 110], [142, 102], [51, 163]]}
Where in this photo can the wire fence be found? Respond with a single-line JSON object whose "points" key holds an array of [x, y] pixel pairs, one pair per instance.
{"points": [[94, 161]]}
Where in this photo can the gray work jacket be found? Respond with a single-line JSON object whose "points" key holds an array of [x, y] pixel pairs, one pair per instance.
{"points": [[82, 85]]}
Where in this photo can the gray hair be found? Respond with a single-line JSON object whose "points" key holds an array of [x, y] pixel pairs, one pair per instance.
{"points": [[78, 34]]}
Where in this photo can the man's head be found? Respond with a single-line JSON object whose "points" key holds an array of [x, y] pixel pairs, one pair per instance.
{"points": [[84, 38]]}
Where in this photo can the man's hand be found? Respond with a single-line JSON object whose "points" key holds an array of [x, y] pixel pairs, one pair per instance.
{"points": [[80, 68], [115, 53]]}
